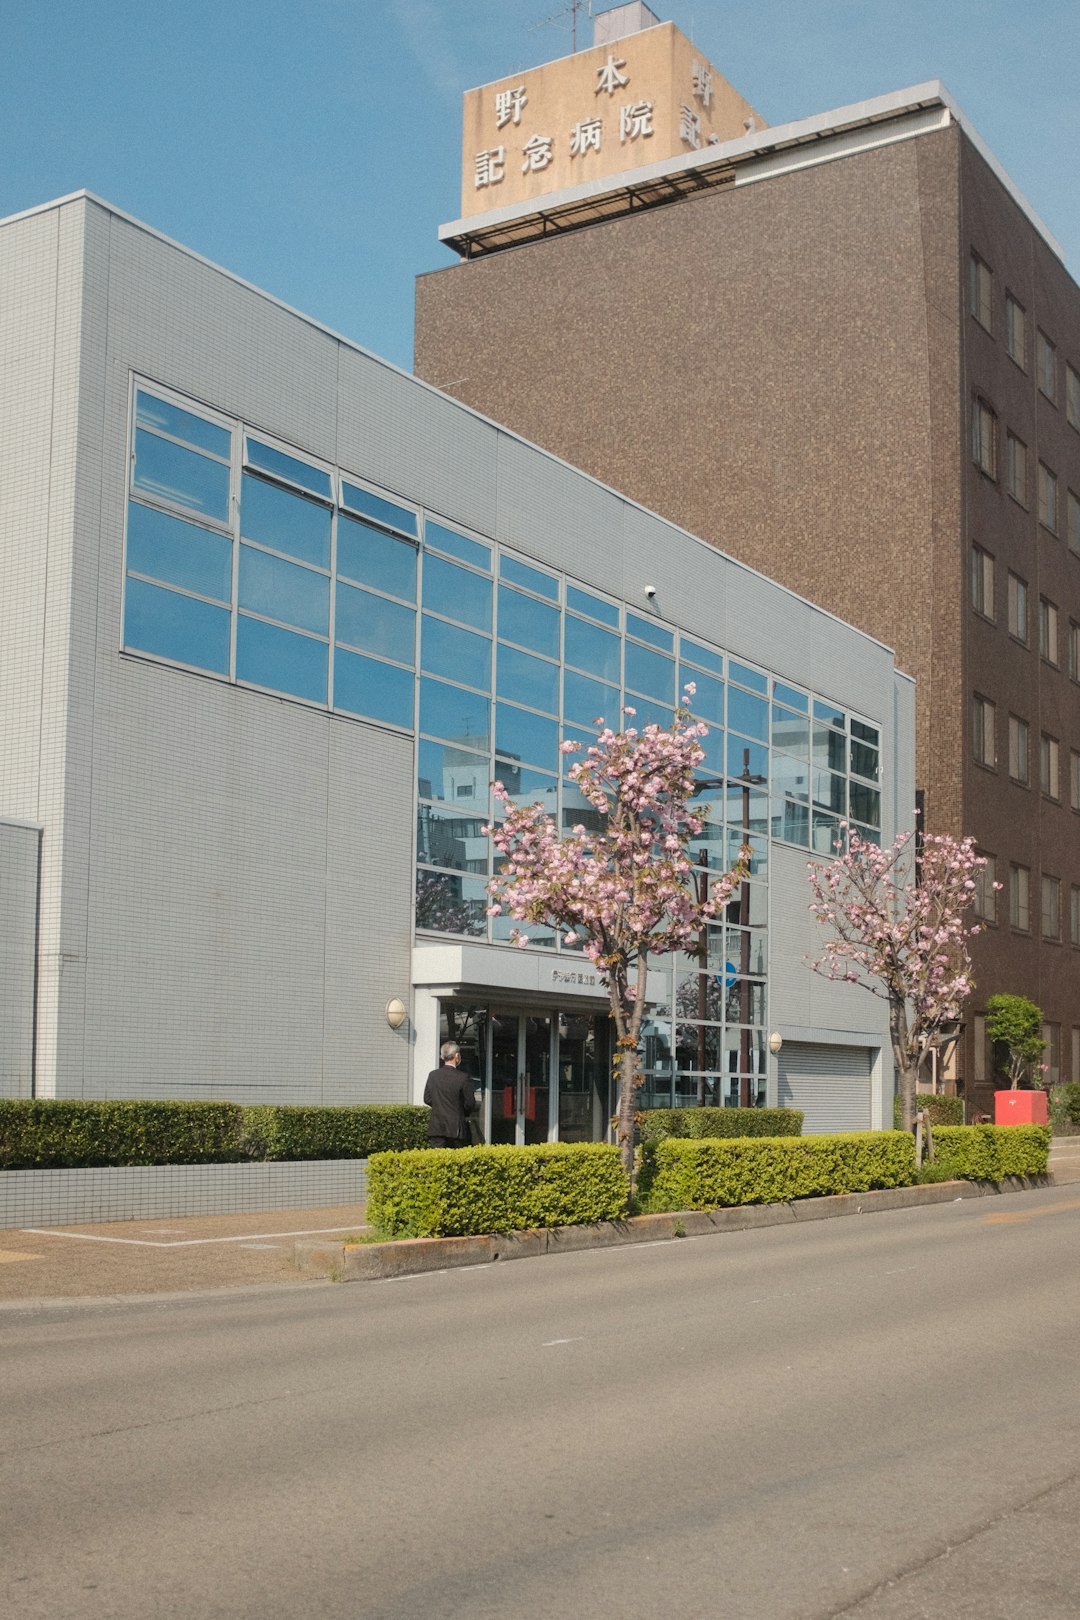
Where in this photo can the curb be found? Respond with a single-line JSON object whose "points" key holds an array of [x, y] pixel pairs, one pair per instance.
{"points": [[407, 1257]]}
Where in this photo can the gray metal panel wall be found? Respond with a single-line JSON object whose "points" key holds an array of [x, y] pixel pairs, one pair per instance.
{"points": [[831, 1084], [242, 879], [19, 848]]}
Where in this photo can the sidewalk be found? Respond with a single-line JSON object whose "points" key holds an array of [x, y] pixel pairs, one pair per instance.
{"points": [[158, 1257], [212, 1251]]}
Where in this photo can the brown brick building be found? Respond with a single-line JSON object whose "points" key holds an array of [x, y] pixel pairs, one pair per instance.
{"points": [[848, 353]]}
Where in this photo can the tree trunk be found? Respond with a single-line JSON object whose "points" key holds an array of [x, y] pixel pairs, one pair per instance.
{"points": [[908, 1076]]}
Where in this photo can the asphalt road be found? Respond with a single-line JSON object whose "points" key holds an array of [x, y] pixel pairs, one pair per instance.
{"points": [[874, 1418]]}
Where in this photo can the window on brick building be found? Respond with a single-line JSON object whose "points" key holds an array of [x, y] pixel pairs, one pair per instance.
{"points": [[1046, 366], [1074, 784], [1051, 908], [1019, 744], [984, 438], [983, 730], [1016, 462], [985, 890], [1074, 915], [1048, 630], [982, 582], [1072, 511], [1072, 397], [1016, 330], [982, 293], [1049, 766], [1048, 503], [1019, 903], [1018, 608]]}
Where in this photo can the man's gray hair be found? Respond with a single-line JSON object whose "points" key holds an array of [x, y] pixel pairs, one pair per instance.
{"points": [[449, 1049]]}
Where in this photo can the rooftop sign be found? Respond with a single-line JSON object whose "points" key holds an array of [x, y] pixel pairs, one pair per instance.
{"points": [[597, 113]]}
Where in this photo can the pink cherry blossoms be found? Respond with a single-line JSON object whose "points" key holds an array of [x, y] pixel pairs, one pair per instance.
{"points": [[623, 888], [901, 934]]}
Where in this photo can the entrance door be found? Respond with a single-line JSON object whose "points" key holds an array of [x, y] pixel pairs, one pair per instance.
{"points": [[519, 1077]]}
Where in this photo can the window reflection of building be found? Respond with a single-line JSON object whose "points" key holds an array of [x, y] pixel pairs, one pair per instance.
{"points": [[256, 564]]}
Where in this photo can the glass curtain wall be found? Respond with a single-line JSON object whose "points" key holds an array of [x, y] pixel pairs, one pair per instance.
{"points": [[252, 562]]}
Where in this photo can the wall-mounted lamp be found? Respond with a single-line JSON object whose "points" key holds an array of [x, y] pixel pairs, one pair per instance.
{"points": [[396, 1012], [775, 1043]]}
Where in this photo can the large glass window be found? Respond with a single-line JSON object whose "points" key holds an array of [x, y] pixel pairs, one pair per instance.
{"points": [[176, 552], [281, 660], [180, 628], [368, 687], [372, 558], [283, 521], [170, 472], [286, 575], [276, 589]]}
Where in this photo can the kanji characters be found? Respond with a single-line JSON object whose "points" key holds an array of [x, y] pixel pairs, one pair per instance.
{"points": [[701, 77], [635, 119], [537, 153], [689, 127], [610, 77], [490, 166], [508, 106], [584, 135]]}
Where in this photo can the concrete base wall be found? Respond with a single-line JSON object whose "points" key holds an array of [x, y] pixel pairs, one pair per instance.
{"points": [[129, 1192]]}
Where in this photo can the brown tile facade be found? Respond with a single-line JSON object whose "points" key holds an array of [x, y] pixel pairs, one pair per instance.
{"points": [[787, 368]]}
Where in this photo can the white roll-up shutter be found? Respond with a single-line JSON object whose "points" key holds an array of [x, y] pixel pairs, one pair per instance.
{"points": [[831, 1084]]}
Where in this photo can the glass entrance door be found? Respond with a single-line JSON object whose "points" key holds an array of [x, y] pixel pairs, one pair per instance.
{"points": [[519, 1077], [543, 1077]]}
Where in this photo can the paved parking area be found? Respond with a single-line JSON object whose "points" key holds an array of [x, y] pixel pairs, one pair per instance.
{"points": [[170, 1256]]}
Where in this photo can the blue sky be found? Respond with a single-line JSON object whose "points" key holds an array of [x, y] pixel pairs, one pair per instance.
{"points": [[313, 147]]}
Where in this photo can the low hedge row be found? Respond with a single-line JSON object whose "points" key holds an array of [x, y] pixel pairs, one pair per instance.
{"points": [[66, 1134], [61, 1134], [654, 1124], [942, 1110], [992, 1152], [443, 1192], [297, 1132], [681, 1174]]}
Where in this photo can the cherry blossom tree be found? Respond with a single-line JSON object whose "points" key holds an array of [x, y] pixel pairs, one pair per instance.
{"points": [[623, 889], [901, 934]]}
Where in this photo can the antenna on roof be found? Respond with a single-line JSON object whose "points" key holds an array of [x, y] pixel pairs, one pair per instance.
{"points": [[571, 11]]}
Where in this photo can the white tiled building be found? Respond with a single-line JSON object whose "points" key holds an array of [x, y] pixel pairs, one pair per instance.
{"points": [[273, 615]]}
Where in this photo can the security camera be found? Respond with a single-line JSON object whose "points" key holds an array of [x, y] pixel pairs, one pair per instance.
{"points": [[650, 591]]}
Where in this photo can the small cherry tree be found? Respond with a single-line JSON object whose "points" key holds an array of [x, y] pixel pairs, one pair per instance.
{"points": [[901, 935], [622, 889]]}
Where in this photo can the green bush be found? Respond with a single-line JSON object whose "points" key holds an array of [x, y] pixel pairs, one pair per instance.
{"points": [[942, 1110], [1064, 1106], [992, 1152], [451, 1192], [711, 1174], [298, 1132], [58, 1134], [654, 1124]]}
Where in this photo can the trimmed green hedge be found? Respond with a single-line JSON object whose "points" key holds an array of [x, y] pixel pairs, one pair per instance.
{"points": [[715, 1174], [942, 1110], [654, 1124], [63, 1134], [57, 1134], [298, 1132], [992, 1152], [454, 1192]]}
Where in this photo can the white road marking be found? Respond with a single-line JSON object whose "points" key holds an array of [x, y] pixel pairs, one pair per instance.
{"points": [[578, 1339], [186, 1243]]}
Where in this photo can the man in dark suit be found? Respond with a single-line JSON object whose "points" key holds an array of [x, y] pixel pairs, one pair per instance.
{"points": [[452, 1100]]}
